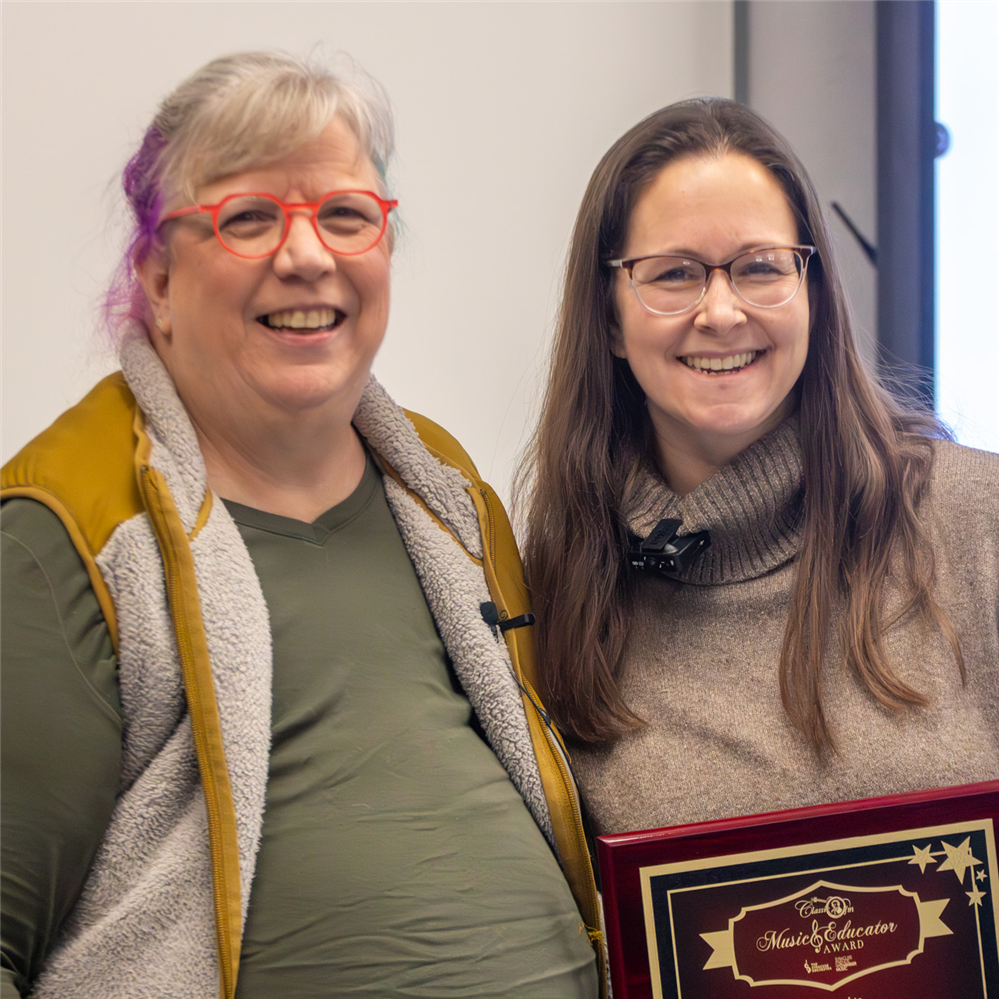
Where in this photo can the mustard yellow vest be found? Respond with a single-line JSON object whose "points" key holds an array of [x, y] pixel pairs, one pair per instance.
{"points": [[91, 469]]}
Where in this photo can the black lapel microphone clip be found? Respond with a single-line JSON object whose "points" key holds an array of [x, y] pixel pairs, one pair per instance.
{"points": [[665, 551], [491, 615]]}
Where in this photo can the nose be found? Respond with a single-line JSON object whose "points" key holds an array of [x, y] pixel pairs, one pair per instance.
{"points": [[303, 254], [721, 309]]}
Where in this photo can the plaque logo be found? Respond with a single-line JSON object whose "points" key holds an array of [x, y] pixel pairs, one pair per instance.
{"points": [[833, 906], [826, 935]]}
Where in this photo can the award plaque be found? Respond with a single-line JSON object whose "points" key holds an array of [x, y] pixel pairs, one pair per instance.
{"points": [[885, 898]]}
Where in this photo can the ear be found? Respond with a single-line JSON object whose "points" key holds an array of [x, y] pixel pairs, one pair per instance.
{"points": [[617, 342], [153, 273], [612, 317], [813, 302]]}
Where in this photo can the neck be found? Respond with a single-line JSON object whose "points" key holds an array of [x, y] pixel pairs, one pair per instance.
{"points": [[294, 470], [685, 465], [688, 458], [752, 508]]}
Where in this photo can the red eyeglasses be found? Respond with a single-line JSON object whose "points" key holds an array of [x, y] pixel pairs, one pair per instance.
{"points": [[256, 225]]}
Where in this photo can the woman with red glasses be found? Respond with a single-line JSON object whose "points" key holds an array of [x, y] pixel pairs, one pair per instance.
{"points": [[761, 583], [266, 686]]}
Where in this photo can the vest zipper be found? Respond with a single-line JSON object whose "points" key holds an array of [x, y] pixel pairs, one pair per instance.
{"points": [[182, 596], [560, 757], [572, 793]]}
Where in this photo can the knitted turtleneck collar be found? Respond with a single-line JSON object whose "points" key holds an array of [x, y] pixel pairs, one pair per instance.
{"points": [[752, 509]]}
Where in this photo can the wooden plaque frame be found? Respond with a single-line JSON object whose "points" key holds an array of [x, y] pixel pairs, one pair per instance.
{"points": [[904, 888]]}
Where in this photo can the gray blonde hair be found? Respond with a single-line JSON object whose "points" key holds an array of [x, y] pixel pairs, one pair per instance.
{"points": [[248, 109]]}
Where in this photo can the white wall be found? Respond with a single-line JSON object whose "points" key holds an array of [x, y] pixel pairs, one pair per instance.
{"points": [[503, 110]]}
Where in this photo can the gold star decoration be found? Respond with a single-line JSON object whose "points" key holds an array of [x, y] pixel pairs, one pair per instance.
{"points": [[959, 859], [976, 896], [981, 875], [922, 856]]}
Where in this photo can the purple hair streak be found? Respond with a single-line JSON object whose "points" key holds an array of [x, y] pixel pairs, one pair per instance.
{"points": [[125, 301]]}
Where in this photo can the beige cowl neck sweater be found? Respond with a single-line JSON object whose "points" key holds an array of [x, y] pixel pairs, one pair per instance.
{"points": [[702, 657]]}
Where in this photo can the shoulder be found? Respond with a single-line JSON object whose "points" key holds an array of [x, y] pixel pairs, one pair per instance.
{"points": [[443, 445], [82, 466], [54, 629], [33, 527], [960, 512], [448, 451], [965, 481], [951, 456], [494, 522]]}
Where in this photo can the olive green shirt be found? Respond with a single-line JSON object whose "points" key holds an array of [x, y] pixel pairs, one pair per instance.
{"points": [[396, 858]]}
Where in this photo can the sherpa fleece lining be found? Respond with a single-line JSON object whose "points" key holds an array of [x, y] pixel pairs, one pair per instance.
{"points": [[144, 925]]}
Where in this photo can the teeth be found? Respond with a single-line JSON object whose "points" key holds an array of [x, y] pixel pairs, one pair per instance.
{"points": [[297, 319], [731, 363]]}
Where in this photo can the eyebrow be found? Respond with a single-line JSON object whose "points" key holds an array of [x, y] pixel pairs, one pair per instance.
{"points": [[745, 248]]}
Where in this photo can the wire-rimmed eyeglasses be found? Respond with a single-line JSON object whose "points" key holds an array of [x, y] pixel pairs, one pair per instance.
{"points": [[256, 225], [668, 285]]}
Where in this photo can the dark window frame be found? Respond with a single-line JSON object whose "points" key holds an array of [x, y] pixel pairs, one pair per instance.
{"points": [[906, 192]]}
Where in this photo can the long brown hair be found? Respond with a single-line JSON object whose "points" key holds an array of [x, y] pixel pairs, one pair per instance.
{"points": [[866, 459]]}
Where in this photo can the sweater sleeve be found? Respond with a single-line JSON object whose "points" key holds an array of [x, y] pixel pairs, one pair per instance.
{"points": [[61, 735]]}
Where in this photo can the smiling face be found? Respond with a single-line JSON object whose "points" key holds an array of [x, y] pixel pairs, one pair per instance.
{"points": [[720, 376], [282, 337]]}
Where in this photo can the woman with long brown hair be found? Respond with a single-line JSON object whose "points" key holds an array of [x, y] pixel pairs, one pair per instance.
{"points": [[760, 581]]}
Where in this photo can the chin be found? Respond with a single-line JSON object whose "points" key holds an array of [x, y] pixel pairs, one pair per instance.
{"points": [[310, 389], [733, 432], [739, 420]]}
